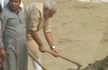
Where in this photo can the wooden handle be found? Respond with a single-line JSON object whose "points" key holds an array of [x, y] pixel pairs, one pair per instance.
{"points": [[38, 62], [79, 65]]}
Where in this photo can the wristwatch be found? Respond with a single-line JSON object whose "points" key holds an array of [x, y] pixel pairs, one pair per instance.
{"points": [[53, 47]]}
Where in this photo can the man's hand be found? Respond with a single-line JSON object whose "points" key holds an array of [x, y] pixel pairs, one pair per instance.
{"points": [[54, 52], [2, 56], [2, 53], [42, 48]]}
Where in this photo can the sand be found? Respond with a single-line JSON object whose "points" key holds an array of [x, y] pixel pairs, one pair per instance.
{"points": [[80, 32]]}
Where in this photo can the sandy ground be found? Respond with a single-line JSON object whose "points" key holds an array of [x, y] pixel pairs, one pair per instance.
{"points": [[80, 33]]}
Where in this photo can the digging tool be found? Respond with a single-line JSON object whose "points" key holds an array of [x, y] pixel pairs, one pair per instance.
{"points": [[38, 62], [79, 65]]}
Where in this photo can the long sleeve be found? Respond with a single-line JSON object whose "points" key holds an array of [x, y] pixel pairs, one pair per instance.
{"points": [[2, 28]]}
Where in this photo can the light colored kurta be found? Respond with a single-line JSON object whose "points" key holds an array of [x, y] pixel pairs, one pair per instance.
{"points": [[14, 40], [35, 21]]}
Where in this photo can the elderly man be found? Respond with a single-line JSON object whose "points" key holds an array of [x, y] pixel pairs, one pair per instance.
{"points": [[13, 40], [38, 16]]}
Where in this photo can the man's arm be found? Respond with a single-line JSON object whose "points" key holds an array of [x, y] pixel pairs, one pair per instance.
{"points": [[49, 39], [34, 21], [37, 40], [2, 51], [3, 24]]}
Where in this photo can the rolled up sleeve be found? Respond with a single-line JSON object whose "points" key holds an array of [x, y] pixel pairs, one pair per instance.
{"points": [[47, 27], [34, 19], [2, 28]]}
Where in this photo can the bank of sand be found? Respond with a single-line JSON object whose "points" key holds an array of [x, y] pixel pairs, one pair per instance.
{"points": [[80, 34]]}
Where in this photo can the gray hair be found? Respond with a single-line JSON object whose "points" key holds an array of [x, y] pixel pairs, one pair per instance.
{"points": [[50, 4]]}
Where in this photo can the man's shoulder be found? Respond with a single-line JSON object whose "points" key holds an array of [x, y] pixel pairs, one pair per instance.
{"points": [[5, 13], [5, 10], [35, 5]]}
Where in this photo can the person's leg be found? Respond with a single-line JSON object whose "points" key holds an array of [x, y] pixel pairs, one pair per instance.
{"points": [[34, 52], [36, 65], [10, 62]]}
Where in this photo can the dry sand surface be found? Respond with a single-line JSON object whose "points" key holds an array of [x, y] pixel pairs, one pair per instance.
{"points": [[80, 32]]}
